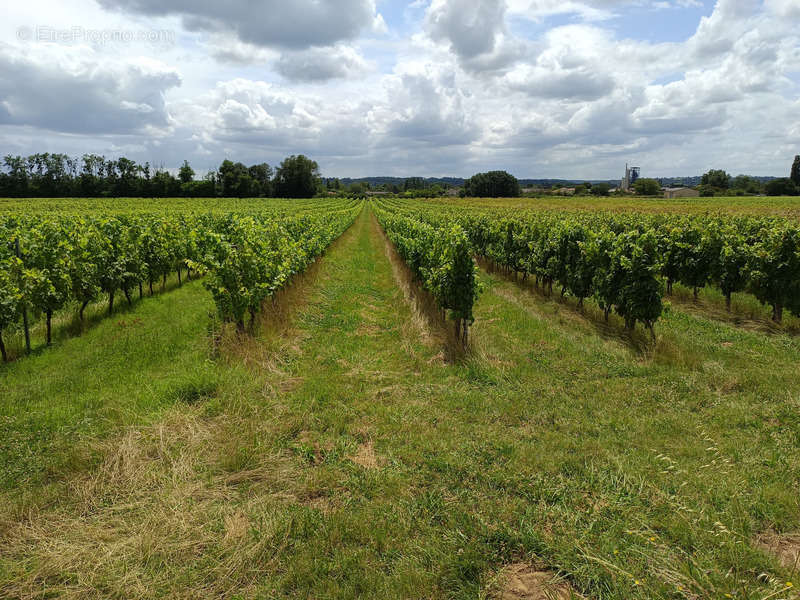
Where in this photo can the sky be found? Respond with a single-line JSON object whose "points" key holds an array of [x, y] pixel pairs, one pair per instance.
{"points": [[540, 88]]}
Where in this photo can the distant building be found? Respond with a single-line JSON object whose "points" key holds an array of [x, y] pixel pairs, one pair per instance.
{"points": [[631, 175], [680, 192], [565, 191]]}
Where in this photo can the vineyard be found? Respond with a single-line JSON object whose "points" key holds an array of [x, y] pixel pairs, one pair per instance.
{"points": [[48, 263], [628, 262], [620, 419]]}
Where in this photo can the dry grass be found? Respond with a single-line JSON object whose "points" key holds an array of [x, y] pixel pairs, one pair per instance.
{"points": [[161, 500], [365, 456]]}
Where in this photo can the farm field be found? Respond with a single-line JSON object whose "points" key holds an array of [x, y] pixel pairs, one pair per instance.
{"points": [[787, 206], [328, 434]]}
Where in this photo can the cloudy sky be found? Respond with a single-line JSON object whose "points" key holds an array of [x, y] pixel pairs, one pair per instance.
{"points": [[542, 88]]}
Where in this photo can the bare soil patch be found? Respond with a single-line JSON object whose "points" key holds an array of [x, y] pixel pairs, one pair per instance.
{"points": [[785, 547], [523, 581]]}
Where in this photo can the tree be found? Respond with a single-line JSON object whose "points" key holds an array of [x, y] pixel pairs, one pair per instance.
{"points": [[236, 180], [413, 183], [186, 173], [601, 189], [493, 184], [706, 191], [357, 190], [126, 184], [91, 177], [17, 175], [647, 187], [716, 178], [262, 175], [582, 189], [781, 187], [164, 185], [795, 176], [746, 183], [296, 177]]}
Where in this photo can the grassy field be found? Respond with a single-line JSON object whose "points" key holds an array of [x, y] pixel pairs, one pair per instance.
{"points": [[341, 453]]}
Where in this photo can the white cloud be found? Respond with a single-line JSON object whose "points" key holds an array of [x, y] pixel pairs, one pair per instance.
{"points": [[475, 31], [597, 10], [272, 23], [786, 9], [321, 64], [461, 87], [73, 89]]}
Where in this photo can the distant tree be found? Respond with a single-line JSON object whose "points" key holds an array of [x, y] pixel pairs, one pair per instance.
{"points": [[262, 175], [717, 178], [236, 180], [357, 189], [128, 177], [164, 185], [795, 176], [413, 183], [18, 176], [493, 184], [296, 177], [186, 173], [601, 189], [91, 177], [647, 187], [228, 178], [781, 187], [745, 183], [706, 191]]}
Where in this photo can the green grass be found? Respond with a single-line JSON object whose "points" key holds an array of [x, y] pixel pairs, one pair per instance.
{"points": [[126, 366], [338, 455], [66, 323]]}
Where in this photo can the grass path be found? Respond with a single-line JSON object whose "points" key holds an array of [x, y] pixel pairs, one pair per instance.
{"points": [[131, 364], [344, 458]]}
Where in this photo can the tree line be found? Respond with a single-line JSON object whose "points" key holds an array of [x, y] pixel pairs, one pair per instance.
{"points": [[46, 175], [718, 182]]}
